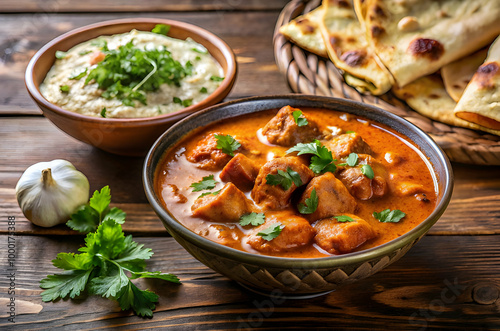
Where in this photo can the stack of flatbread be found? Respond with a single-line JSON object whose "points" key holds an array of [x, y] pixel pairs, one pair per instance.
{"points": [[440, 56]]}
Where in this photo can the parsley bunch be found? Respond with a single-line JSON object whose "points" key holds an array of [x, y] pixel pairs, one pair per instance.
{"points": [[128, 72], [104, 262]]}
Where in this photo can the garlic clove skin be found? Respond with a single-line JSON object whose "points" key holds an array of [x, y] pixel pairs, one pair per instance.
{"points": [[50, 192]]}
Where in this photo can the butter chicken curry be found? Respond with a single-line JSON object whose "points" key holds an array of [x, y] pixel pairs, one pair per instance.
{"points": [[297, 183]]}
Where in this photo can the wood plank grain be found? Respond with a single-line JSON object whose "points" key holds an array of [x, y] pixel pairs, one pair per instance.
{"points": [[61, 6], [248, 34], [473, 209], [438, 284]]}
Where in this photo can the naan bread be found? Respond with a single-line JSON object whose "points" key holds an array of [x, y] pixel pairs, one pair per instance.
{"points": [[304, 31], [480, 102], [349, 50], [427, 96], [414, 38], [457, 75]]}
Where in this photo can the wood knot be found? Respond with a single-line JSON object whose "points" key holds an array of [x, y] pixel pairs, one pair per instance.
{"points": [[485, 294]]}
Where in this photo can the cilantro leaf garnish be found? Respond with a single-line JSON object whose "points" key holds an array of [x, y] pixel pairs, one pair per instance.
{"points": [[84, 52], [352, 160], [107, 263], [64, 88], [253, 219], [321, 162], [206, 183], [271, 232], [103, 112], [216, 78], [367, 170], [344, 218], [60, 55], [285, 179], [78, 74], [161, 29], [299, 118], [203, 90], [128, 72], [227, 144], [209, 193], [101, 43], [201, 51], [389, 216], [311, 204]]}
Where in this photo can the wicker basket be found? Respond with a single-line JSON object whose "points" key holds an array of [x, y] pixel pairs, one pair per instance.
{"points": [[311, 74]]}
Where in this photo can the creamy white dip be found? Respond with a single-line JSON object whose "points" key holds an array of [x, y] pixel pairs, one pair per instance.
{"points": [[87, 100]]}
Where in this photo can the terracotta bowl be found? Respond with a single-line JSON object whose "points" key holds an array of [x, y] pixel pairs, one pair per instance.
{"points": [[125, 136], [295, 277]]}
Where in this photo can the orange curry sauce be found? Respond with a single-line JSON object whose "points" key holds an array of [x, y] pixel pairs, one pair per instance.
{"points": [[410, 175]]}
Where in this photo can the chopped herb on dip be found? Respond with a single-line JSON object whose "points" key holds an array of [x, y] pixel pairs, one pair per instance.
{"points": [[138, 74]]}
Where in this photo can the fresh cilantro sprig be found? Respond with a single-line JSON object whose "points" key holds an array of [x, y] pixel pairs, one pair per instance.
{"points": [[344, 218], [254, 219], [284, 179], [128, 72], [389, 216], [227, 144], [321, 162], [271, 232], [107, 263], [311, 204], [206, 183], [299, 118]]}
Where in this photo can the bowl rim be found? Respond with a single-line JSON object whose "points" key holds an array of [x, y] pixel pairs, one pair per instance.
{"points": [[229, 78], [284, 262]]}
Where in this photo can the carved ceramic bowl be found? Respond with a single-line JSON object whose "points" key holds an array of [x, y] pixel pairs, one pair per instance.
{"points": [[296, 277], [125, 136]]}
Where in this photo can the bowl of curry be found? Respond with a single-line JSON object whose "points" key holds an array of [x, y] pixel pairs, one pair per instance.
{"points": [[296, 195]]}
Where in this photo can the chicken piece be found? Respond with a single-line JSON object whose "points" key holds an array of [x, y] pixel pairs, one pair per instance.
{"points": [[345, 144], [333, 197], [359, 185], [282, 129], [241, 171], [226, 206], [296, 232], [207, 155], [275, 196], [342, 237]]}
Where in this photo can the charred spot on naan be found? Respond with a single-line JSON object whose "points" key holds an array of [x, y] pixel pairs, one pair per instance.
{"points": [[485, 75], [354, 58], [377, 31], [305, 26], [427, 48]]}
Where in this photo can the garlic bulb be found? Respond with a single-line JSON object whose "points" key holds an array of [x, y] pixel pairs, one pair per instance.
{"points": [[49, 192]]}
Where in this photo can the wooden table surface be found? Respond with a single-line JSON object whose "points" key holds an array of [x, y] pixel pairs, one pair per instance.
{"points": [[450, 280]]}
